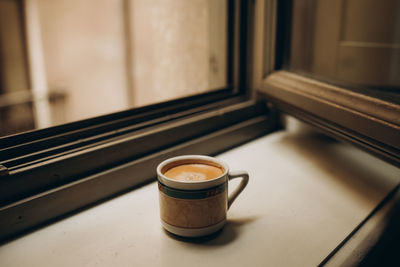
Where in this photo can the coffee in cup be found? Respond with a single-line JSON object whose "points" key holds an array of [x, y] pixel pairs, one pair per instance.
{"points": [[194, 172]]}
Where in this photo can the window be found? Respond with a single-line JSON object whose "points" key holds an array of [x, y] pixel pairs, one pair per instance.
{"points": [[53, 171], [337, 42], [49, 172], [338, 70], [64, 61]]}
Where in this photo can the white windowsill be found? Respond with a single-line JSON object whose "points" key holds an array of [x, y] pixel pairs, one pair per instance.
{"points": [[306, 194]]}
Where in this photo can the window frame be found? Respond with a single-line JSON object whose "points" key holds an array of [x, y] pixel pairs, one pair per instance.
{"points": [[203, 124], [369, 123]]}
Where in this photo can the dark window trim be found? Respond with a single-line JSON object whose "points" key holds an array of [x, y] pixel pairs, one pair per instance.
{"points": [[59, 166], [283, 30], [369, 123], [246, 121], [17, 145]]}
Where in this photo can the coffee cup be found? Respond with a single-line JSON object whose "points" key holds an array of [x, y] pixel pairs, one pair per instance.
{"points": [[193, 194]]}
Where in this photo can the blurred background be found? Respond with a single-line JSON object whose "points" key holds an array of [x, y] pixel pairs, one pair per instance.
{"points": [[67, 60]]}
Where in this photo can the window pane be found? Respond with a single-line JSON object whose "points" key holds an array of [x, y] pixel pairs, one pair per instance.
{"points": [[82, 59], [354, 43], [14, 81]]}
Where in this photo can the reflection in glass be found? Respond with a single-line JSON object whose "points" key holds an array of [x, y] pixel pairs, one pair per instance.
{"points": [[355, 43], [66, 60]]}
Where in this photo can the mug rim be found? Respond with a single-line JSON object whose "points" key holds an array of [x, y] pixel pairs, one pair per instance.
{"points": [[191, 185]]}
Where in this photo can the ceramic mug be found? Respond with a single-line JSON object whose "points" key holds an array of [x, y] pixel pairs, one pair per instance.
{"points": [[196, 208]]}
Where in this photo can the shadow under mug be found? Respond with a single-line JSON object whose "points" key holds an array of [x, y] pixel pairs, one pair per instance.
{"points": [[196, 208]]}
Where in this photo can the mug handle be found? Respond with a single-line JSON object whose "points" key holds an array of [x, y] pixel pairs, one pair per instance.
{"points": [[245, 179]]}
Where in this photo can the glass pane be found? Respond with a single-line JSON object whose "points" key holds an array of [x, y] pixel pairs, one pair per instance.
{"points": [[79, 59], [354, 43], [16, 113]]}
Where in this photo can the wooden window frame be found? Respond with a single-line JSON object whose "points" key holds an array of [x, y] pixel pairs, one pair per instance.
{"points": [[367, 122]]}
